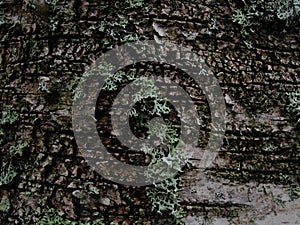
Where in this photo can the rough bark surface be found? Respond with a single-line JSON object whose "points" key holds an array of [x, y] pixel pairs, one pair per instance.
{"points": [[48, 45]]}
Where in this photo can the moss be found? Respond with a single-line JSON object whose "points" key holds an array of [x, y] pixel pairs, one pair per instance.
{"points": [[51, 217], [255, 13], [9, 116], [294, 102], [8, 173], [4, 205], [164, 195]]}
